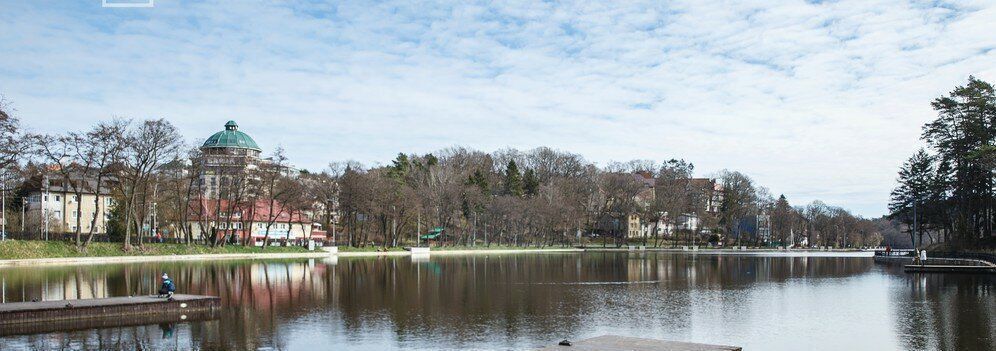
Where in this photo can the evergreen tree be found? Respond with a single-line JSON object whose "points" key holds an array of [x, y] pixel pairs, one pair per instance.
{"points": [[781, 220], [513, 180], [915, 180], [478, 180], [963, 136], [530, 183], [400, 167]]}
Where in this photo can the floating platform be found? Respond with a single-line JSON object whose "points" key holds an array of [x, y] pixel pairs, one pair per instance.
{"points": [[620, 343], [933, 268], [32, 317]]}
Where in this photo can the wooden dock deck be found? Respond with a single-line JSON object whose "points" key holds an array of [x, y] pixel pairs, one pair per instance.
{"points": [[102, 322], [933, 268], [122, 308], [620, 343]]}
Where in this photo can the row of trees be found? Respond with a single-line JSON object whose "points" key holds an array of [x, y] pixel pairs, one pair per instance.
{"points": [[548, 197], [946, 191], [538, 197], [114, 159]]}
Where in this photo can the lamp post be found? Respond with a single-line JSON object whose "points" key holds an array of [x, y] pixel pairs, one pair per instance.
{"points": [[913, 238], [3, 207], [44, 209]]}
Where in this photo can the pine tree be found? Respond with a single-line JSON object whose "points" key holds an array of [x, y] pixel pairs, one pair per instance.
{"points": [[513, 180], [915, 180], [478, 180], [399, 168], [530, 183], [963, 136], [781, 220]]}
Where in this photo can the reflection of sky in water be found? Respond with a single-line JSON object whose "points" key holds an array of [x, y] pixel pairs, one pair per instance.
{"points": [[760, 302]]}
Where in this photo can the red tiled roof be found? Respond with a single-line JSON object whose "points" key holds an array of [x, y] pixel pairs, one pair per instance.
{"points": [[646, 178]]}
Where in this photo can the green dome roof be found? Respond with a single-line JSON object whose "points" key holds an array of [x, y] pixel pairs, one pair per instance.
{"points": [[231, 137]]}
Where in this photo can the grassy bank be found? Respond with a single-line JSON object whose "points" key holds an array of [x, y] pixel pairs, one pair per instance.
{"points": [[21, 249]]}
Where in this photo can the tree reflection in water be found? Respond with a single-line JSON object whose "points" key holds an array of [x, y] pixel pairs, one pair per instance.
{"points": [[527, 300]]}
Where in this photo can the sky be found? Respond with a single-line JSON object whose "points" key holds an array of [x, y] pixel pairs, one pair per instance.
{"points": [[813, 99]]}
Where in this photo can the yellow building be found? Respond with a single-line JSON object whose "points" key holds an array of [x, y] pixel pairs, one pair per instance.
{"points": [[53, 205]]}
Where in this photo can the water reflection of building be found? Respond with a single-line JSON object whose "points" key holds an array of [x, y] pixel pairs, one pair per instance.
{"points": [[506, 301]]}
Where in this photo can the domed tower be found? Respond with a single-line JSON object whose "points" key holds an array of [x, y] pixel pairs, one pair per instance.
{"points": [[226, 154], [231, 142]]}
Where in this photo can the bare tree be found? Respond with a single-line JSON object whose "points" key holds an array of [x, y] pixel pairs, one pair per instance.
{"points": [[103, 146], [278, 190], [147, 147], [57, 150], [739, 202], [672, 197], [13, 144]]}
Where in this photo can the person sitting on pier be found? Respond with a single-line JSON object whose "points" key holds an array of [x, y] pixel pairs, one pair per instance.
{"points": [[167, 288]]}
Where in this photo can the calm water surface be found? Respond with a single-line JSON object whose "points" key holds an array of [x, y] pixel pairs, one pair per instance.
{"points": [[501, 302]]}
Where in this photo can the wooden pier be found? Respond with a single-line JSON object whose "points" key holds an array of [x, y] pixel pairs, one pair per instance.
{"points": [[24, 317], [934, 268], [620, 343]]}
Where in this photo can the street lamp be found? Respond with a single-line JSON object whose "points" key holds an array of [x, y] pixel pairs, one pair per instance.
{"points": [[3, 206]]}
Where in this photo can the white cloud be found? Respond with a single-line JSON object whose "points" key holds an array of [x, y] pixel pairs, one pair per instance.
{"points": [[815, 100]]}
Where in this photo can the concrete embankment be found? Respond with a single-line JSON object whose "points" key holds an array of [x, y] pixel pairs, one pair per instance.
{"points": [[745, 251], [169, 258], [322, 254], [253, 256], [456, 252]]}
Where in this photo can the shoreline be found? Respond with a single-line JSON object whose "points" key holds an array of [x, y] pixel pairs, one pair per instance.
{"points": [[56, 261]]}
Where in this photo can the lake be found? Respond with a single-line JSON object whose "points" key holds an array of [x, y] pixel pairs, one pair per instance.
{"points": [[523, 301]]}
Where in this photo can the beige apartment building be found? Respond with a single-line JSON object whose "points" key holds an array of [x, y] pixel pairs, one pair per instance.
{"points": [[636, 227], [52, 204]]}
